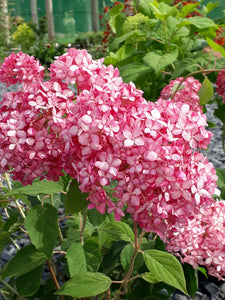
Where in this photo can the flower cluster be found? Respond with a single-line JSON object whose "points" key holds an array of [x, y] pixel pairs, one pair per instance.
{"points": [[114, 134], [201, 241], [183, 90], [220, 84], [30, 121], [108, 134], [21, 68]]}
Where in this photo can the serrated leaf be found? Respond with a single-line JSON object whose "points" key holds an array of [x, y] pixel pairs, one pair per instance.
{"points": [[206, 92], [27, 287], [158, 62], [95, 217], [26, 260], [119, 231], [92, 255], [75, 200], [166, 268], [42, 226], [85, 285], [76, 259], [103, 236]]}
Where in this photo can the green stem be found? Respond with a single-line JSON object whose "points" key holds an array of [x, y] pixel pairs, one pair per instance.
{"points": [[130, 271], [3, 295], [16, 201], [15, 244], [82, 225], [10, 287]]}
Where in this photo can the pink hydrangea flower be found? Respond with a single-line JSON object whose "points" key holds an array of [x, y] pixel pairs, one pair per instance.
{"points": [[78, 67], [109, 134], [30, 122], [145, 147], [187, 92], [220, 84], [21, 68], [200, 241]]}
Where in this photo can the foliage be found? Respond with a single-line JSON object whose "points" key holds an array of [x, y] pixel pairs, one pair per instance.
{"points": [[105, 177], [171, 43], [24, 37], [93, 246]]}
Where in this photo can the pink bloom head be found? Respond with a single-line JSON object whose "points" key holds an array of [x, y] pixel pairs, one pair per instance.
{"points": [[78, 67], [187, 92], [200, 241], [30, 122], [21, 68], [220, 84]]}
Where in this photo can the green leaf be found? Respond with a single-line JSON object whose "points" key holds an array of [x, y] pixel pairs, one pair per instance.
{"points": [[206, 92], [158, 62], [76, 259], [85, 285], [200, 23], [37, 187], [114, 14], [191, 277], [103, 236], [29, 283], [13, 222], [95, 217], [147, 244], [26, 260], [134, 71], [203, 271], [166, 268], [92, 254], [220, 113], [75, 201], [211, 6], [119, 231], [161, 10], [149, 277], [215, 46], [4, 239], [186, 9], [221, 178], [145, 8], [173, 29], [127, 36], [121, 54], [42, 226], [126, 256]]}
